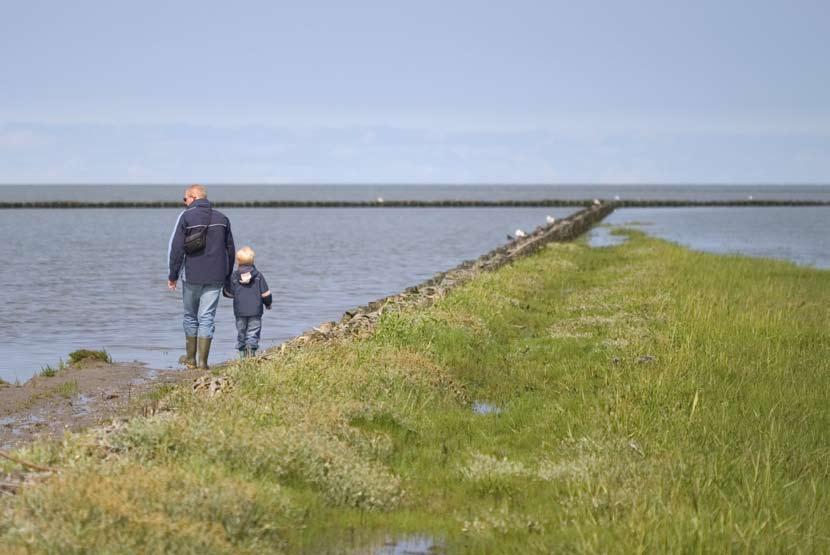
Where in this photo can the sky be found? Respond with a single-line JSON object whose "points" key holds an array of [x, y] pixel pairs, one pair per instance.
{"points": [[710, 92]]}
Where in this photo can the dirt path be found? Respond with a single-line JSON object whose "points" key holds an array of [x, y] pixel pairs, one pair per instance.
{"points": [[76, 398]]}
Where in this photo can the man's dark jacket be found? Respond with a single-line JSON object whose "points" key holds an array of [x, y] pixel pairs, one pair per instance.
{"points": [[213, 264]]}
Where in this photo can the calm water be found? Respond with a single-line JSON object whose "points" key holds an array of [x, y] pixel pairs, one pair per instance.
{"points": [[99, 193], [96, 278], [799, 234]]}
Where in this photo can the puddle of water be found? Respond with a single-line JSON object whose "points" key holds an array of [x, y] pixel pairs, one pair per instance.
{"points": [[600, 236], [15, 424], [80, 405], [33, 419], [412, 545], [486, 408]]}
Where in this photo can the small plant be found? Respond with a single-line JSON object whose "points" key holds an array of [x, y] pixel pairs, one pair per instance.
{"points": [[49, 371], [85, 355], [67, 389]]}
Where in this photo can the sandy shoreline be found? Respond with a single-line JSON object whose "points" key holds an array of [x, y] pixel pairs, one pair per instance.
{"points": [[75, 399]]}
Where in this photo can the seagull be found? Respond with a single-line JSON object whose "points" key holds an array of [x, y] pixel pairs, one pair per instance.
{"points": [[550, 219], [380, 200], [616, 197], [596, 201], [519, 234]]}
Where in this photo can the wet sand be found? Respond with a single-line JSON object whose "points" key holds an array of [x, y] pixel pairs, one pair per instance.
{"points": [[76, 398]]}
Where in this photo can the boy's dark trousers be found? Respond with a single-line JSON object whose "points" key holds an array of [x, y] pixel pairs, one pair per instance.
{"points": [[247, 338]]}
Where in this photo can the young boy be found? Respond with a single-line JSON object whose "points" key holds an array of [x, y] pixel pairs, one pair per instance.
{"points": [[250, 293]]}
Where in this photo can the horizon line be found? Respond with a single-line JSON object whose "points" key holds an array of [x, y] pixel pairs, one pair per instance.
{"points": [[412, 184]]}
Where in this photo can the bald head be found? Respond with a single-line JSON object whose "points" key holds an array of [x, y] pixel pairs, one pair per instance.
{"points": [[196, 191]]}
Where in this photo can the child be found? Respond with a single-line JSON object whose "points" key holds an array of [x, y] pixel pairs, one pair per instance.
{"points": [[250, 293]]}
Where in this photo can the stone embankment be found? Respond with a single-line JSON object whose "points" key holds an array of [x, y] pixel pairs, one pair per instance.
{"points": [[362, 320], [541, 203]]}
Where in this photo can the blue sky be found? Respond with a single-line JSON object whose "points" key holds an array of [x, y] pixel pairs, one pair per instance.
{"points": [[415, 92]]}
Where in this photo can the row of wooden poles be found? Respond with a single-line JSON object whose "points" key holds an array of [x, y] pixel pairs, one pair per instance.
{"points": [[415, 203]]}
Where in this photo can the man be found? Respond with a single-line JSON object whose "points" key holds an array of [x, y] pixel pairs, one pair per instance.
{"points": [[203, 272]]}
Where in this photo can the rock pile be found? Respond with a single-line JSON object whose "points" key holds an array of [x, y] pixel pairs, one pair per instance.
{"points": [[361, 321]]}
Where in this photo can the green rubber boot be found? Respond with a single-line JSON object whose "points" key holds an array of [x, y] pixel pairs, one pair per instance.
{"points": [[189, 359], [204, 350]]}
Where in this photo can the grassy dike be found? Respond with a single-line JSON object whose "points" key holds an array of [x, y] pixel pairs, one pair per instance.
{"points": [[642, 398]]}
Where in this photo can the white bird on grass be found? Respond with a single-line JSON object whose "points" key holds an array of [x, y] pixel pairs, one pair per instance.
{"points": [[550, 219]]}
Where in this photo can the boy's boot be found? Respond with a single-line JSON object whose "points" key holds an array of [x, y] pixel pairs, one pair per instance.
{"points": [[241, 353], [204, 350], [249, 352], [189, 359]]}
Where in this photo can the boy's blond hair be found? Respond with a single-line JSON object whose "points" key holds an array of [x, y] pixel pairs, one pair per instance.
{"points": [[245, 256]]}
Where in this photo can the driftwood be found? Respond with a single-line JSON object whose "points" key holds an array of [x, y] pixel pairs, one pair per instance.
{"points": [[9, 488], [27, 463]]}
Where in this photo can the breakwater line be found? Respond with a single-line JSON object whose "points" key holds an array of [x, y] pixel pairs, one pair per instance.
{"points": [[541, 203], [362, 320]]}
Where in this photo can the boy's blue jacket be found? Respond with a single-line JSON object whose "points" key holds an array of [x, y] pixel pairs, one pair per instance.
{"points": [[247, 297], [214, 264]]}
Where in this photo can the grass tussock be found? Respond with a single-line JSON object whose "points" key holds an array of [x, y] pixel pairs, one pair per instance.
{"points": [[650, 399], [50, 371], [85, 355]]}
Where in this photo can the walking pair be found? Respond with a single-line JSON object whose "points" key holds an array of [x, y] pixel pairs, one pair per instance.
{"points": [[206, 271]]}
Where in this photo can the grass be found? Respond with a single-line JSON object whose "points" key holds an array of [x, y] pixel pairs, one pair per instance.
{"points": [[86, 355], [65, 389], [50, 371], [652, 400], [76, 358]]}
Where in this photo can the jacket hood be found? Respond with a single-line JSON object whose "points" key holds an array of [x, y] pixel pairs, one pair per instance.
{"points": [[247, 273], [201, 202]]}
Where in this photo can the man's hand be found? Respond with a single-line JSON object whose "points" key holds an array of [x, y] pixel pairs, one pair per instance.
{"points": [[171, 284]]}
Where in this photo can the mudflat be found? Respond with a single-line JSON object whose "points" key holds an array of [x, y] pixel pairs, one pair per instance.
{"points": [[75, 398]]}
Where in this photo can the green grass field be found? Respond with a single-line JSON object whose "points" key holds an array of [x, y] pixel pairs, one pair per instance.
{"points": [[639, 398]]}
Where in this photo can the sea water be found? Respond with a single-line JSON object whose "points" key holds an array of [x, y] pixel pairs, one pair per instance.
{"points": [[96, 278]]}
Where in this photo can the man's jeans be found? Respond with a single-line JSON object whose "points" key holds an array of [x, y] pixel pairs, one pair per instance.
{"points": [[248, 328], [200, 302]]}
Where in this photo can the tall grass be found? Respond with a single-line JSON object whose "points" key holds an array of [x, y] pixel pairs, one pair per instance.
{"points": [[650, 399]]}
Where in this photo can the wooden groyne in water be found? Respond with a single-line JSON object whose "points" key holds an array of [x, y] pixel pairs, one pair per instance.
{"points": [[418, 203]]}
